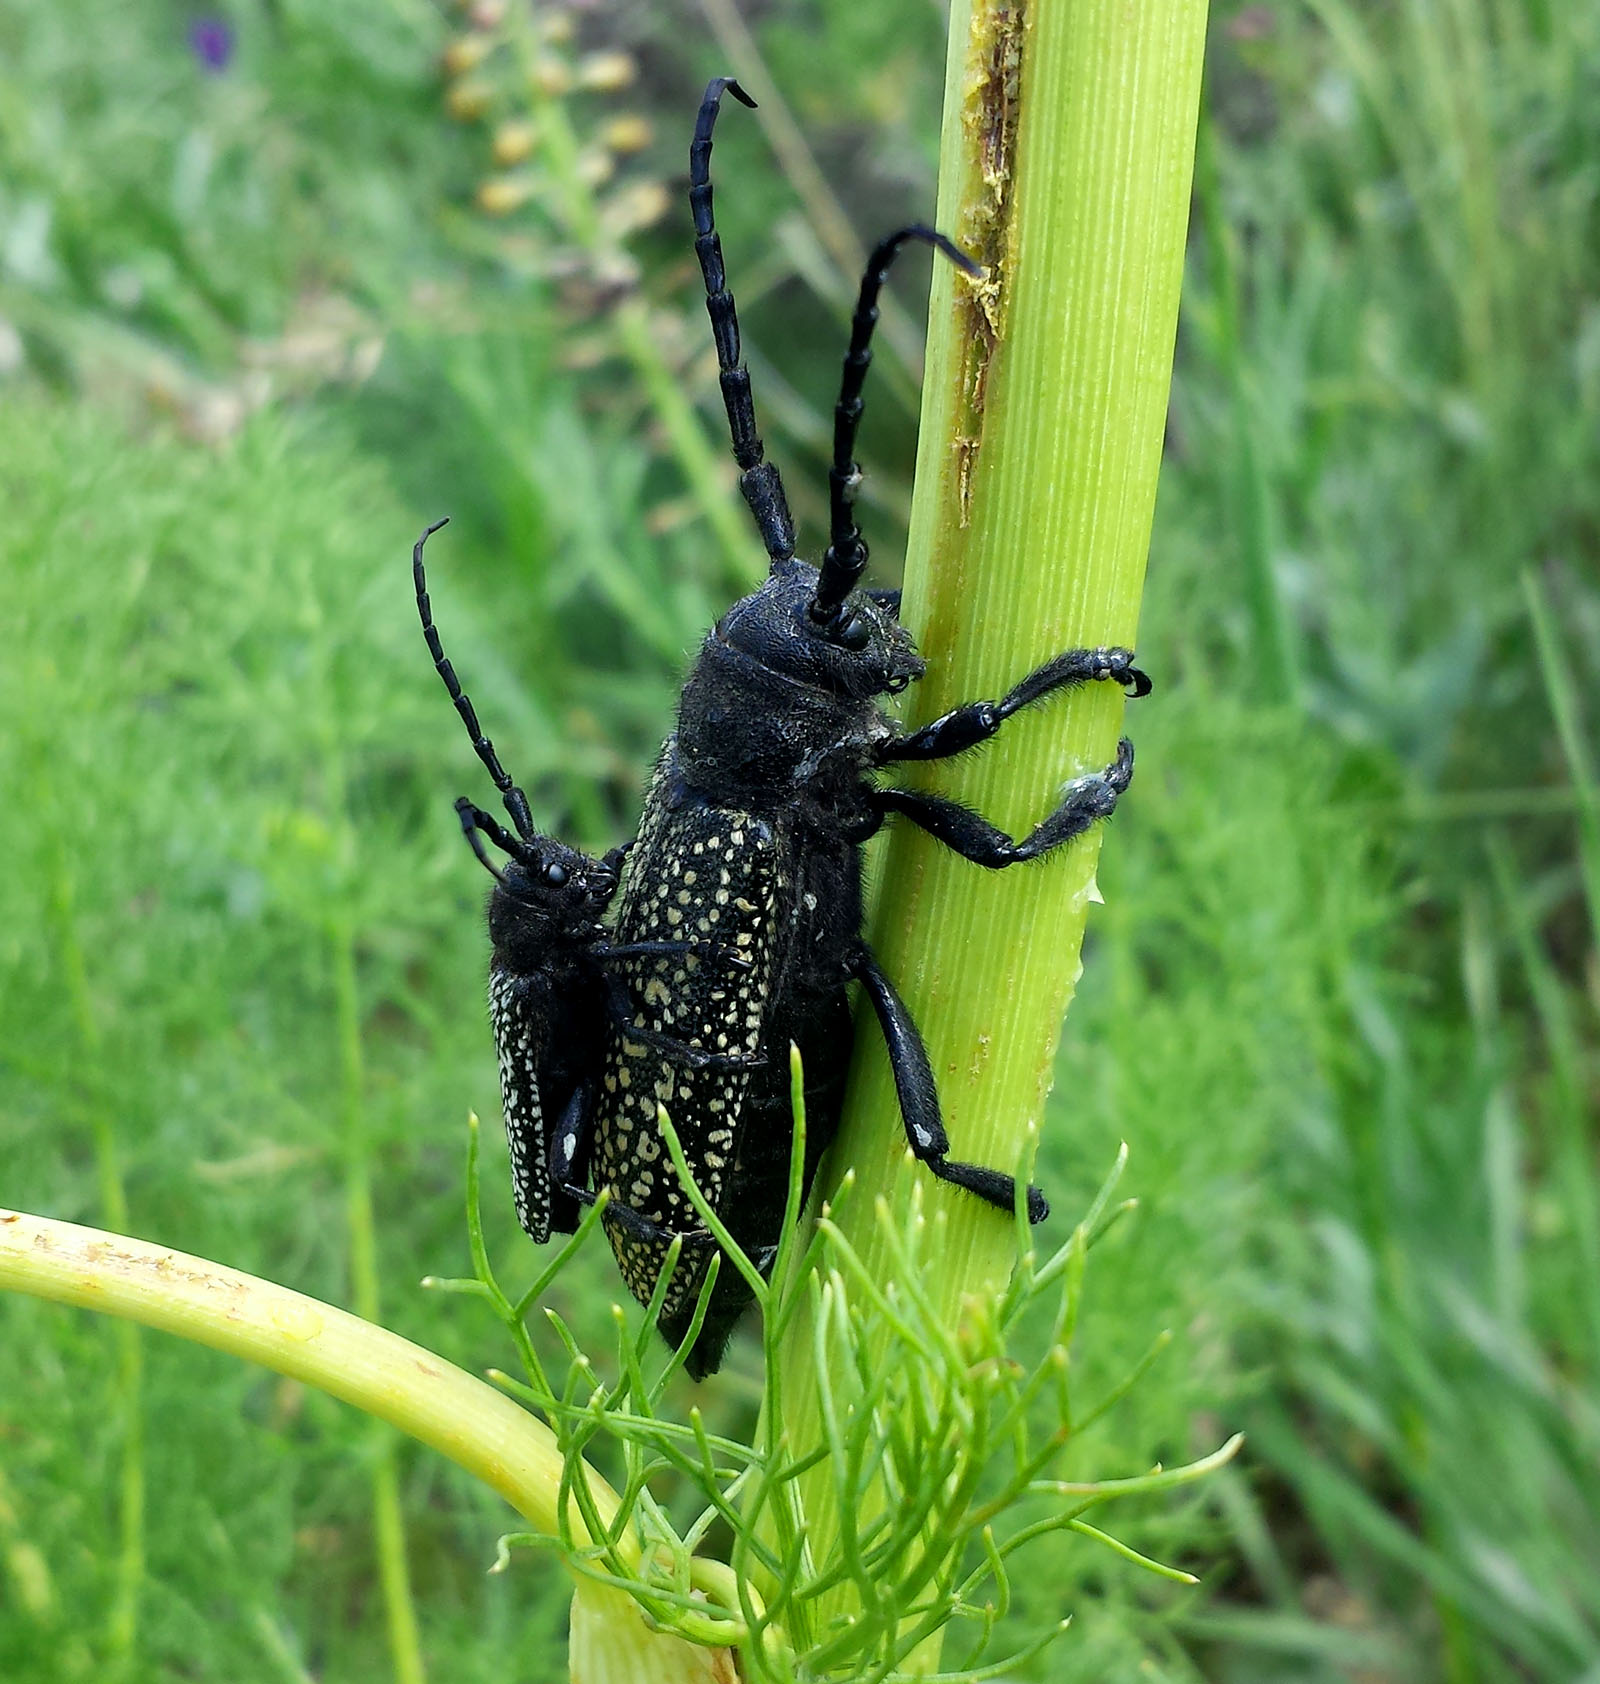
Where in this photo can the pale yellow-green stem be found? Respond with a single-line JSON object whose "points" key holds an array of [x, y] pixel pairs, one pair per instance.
{"points": [[379, 1372], [1065, 168], [391, 1379], [610, 1644]]}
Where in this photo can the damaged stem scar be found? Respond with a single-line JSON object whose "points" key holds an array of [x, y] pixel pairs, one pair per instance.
{"points": [[989, 113]]}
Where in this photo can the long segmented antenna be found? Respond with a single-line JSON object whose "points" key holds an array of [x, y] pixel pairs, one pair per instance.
{"points": [[758, 478], [846, 557], [516, 802]]}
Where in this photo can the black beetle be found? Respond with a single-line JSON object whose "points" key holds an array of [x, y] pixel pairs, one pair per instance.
{"points": [[553, 979], [739, 923]]}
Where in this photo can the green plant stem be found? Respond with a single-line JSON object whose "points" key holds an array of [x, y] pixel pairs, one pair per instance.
{"points": [[1562, 689], [1249, 496], [708, 477], [379, 1372], [122, 1624], [388, 1523], [610, 1644], [1066, 165]]}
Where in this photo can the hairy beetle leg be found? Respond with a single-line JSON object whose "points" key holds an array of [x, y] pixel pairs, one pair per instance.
{"points": [[664, 949], [625, 1015], [681, 1053], [612, 860], [569, 1154], [642, 1227], [965, 727], [918, 1094], [974, 838]]}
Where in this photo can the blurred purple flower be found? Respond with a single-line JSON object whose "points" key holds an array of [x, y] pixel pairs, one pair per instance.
{"points": [[211, 42]]}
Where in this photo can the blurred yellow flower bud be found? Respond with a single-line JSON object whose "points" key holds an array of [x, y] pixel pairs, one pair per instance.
{"points": [[513, 142], [466, 53], [627, 134], [555, 26], [606, 72], [551, 75], [633, 207], [502, 194], [467, 101], [595, 166]]}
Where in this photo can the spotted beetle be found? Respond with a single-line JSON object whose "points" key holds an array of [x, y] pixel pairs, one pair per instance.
{"points": [[554, 979], [739, 923]]}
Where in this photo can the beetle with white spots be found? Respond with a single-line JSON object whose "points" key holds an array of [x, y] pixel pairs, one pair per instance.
{"points": [[737, 928]]}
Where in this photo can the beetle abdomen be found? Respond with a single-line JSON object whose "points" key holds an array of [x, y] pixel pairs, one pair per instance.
{"points": [[715, 877], [535, 1085]]}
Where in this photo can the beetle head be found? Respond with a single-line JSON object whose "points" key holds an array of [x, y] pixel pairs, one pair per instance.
{"points": [[860, 651], [550, 888]]}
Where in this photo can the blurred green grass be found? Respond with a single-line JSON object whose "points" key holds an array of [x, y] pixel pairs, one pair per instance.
{"points": [[1341, 999]]}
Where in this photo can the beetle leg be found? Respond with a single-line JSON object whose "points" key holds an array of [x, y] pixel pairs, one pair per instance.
{"points": [[610, 869], [974, 838], [918, 1094], [569, 1152], [860, 821], [966, 727], [675, 1051], [606, 952], [612, 860], [645, 1228]]}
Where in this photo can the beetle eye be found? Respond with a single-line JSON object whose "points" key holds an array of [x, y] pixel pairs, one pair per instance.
{"points": [[555, 874], [853, 635]]}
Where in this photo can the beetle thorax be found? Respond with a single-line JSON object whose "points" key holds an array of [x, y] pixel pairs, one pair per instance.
{"points": [[772, 703], [749, 732], [533, 925]]}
